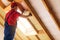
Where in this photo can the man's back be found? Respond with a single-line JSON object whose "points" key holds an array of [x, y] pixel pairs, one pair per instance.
{"points": [[11, 17]]}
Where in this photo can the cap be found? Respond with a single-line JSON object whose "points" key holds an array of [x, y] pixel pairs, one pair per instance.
{"points": [[13, 4]]}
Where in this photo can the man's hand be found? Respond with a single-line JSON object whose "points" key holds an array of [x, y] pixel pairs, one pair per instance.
{"points": [[27, 12], [30, 14]]}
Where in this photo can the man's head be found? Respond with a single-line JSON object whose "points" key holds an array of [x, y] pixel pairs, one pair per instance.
{"points": [[14, 5]]}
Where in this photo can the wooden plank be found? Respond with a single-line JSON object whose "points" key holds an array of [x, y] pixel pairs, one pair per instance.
{"points": [[33, 37], [42, 35], [1, 21], [21, 35]]}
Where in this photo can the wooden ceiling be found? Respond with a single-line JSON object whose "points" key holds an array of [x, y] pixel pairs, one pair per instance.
{"points": [[35, 21]]}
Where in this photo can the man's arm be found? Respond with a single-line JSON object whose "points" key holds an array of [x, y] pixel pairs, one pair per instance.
{"points": [[25, 16], [21, 7]]}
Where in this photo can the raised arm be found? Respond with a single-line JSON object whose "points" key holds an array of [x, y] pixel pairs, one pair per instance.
{"points": [[24, 10], [21, 7]]}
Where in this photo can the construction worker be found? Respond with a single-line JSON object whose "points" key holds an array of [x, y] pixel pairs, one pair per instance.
{"points": [[11, 20]]}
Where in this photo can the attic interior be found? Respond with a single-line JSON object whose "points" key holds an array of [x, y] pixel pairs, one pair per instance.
{"points": [[44, 24]]}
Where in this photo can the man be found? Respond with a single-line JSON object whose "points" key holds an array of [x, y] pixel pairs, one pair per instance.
{"points": [[11, 21]]}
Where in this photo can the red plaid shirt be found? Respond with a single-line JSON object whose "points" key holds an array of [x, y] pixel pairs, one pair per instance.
{"points": [[12, 17]]}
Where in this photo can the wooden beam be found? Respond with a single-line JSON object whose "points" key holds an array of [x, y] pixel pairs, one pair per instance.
{"points": [[52, 12]]}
